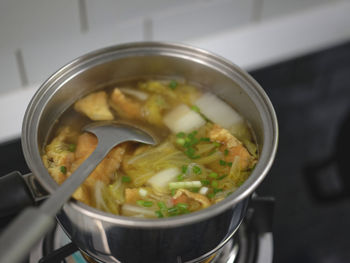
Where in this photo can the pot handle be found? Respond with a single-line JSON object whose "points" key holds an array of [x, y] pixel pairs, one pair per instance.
{"points": [[15, 194]]}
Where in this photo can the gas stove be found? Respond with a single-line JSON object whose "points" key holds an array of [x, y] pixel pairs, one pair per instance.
{"points": [[253, 242]]}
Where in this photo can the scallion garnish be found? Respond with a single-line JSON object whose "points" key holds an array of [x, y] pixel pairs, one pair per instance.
{"points": [[173, 84], [195, 189], [226, 152], [195, 108], [180, 177], [72, 147], [216, 190], [186, 184], [217, 144], [184, 169], [211, 195], [180, 135], [180, 141], [222, 162], [173, 211], [213, 175], [204, 139], [159, 214], [222, 177], [161, 205], [144, 203], [214, 184], [126, 179], [205, 182], [63, 169], [196, 170]]}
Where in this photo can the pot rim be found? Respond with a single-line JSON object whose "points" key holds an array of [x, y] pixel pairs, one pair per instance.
{"points": [[261, 100]]}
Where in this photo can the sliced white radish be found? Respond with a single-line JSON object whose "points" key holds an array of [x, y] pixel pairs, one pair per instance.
{"points": [[135, 93], [217, 110], [204, 190], [161, 180], [143, 192], [183, 119]]}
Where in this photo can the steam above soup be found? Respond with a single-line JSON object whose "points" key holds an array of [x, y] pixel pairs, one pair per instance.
{"points": [[206, 149]]}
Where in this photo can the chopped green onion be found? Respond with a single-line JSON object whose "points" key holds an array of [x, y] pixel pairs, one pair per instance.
{"points": [[195, 108], [180, 177], [182, 205], [204, 139], [195, 189], [192, 134], [180, 135], [211, 195], [173, 211], [222, 162], [190, 151], [216, 190], [222, 176], [197, 170], [190, 184], [173, 192], [229, 163], [212, 152], [214, 184], [161, 205], [159, 214], [226, 152], [217, 144], [144, 203], [213, 175], [205, 182], [173, 84], [180, 141], [63, 169], [72, 147], [126, 179], [184, 169]]}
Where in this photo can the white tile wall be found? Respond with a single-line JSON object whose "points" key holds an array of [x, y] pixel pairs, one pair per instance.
{"points": [[201, 18], [50, 33], [276, 8], [35, 27], [9, 76]]}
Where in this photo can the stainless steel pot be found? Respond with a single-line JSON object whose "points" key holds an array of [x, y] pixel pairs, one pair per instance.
{"points": [[189, 238]]}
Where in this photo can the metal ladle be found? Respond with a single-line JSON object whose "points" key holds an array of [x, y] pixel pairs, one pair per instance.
{"points": [[34, 222]]}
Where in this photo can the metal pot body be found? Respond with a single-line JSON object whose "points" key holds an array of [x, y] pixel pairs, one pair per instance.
{"points": [[111, 238]]}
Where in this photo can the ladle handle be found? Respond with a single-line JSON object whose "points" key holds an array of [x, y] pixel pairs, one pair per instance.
{"points": [[22, 233], [20, 236]]}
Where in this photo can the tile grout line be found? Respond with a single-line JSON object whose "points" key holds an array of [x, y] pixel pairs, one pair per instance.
{"points": [[21, 68], [83, 16], [257, 10], [147, 29]]}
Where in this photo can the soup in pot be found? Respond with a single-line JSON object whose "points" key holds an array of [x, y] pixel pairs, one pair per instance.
{"points": [[206, 149]]}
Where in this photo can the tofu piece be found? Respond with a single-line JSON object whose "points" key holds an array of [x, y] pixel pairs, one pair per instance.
{"points": [[183, 119], [104, 171], [95, 106]]}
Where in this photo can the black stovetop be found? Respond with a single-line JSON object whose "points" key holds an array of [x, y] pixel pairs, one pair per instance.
{"points": [[311, 96]]}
